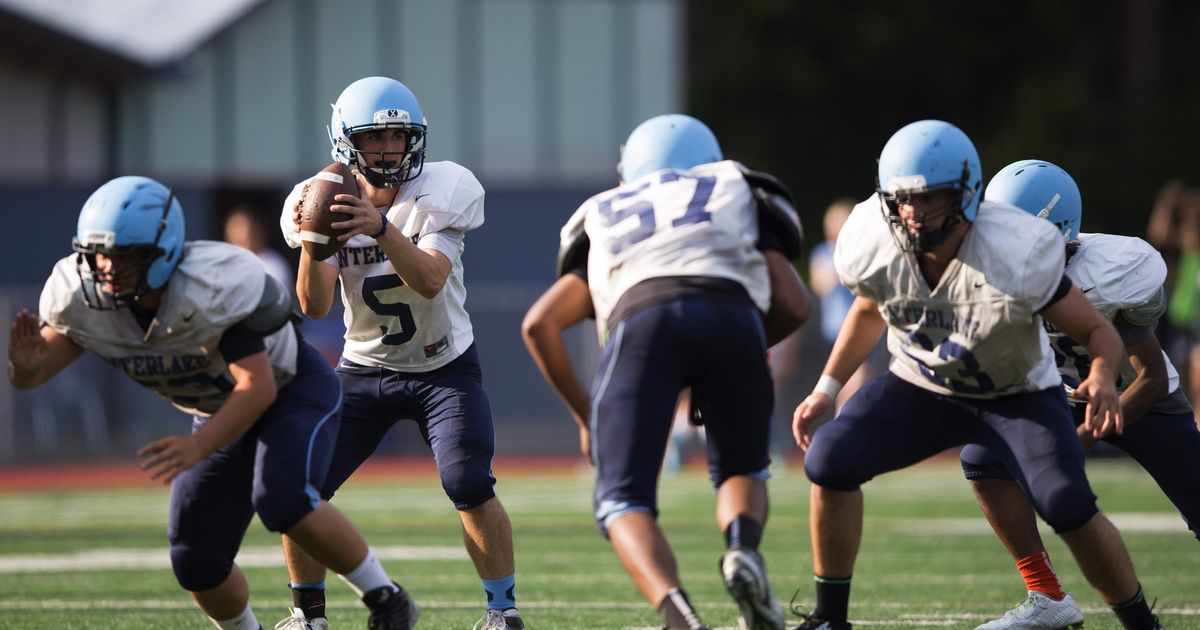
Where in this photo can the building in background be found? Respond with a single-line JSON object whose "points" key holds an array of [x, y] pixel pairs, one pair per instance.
{"points": [[227, 100]]}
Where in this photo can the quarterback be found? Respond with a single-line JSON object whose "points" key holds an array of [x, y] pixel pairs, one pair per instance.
{"points": [[203, 325], [409, 348], [961, 288]]}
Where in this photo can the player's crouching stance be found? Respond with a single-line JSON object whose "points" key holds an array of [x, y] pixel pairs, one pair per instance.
{"points": [[688, 249], [961, 287], [218, 332]]}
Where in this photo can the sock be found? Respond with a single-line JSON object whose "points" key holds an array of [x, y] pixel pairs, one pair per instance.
{"points": [[368, 576], [833, 598], [309, 598], [244, 621], [500, 593], [677, 611], [743, 533], [1039, 575], [1134, 614]]}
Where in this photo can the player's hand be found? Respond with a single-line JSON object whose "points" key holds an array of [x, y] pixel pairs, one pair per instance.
{"points": [[166, 458], [363, 218], [26, 347], [297, 216], [806, 415], [1103, 413], [1085, 438], [585, 443]]}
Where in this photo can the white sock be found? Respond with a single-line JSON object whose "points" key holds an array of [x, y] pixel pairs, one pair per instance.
{"points": [[368, 576], [244, 621]]}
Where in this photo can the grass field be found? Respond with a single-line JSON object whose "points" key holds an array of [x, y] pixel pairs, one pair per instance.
{"points": [[97, 558]]}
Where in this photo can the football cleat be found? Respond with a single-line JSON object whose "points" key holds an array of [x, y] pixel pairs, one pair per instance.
{"points": [[298, 622], [507, 619], [391, 609], [1039, 611], [745, 577], [813, 622]]}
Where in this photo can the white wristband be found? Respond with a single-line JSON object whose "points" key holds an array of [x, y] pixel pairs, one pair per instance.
{"points": [[827, 385]]}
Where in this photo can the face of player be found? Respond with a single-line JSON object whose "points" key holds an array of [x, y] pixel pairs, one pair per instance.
{"points": [[120, 273], [926, 212], [383, 148]]}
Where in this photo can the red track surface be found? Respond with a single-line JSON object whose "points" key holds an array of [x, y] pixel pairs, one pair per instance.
{"points": [[128, 475]]}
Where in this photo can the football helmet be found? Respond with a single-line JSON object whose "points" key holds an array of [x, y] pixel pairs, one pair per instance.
{"points": [[926, 156], [373, 104], [1041, 189], [130, 218], [668, 141]]}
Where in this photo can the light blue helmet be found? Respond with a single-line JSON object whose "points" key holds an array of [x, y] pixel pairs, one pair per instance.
{"points": [[931, 155], [668, 141], [1041, 189], [377, 103], [124, 215]]}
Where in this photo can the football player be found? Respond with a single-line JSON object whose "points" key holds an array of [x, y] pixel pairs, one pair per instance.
{"points": [[684, 251], [961, 287], [409, 348], [1122, 277], [203, 325]]}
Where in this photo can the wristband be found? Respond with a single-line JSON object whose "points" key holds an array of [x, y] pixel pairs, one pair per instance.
{"points": [[827, 385], [383, 227]]}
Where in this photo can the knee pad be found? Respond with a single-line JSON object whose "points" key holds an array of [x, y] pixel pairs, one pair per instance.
{"points": [[467, 483], [977, 462], [825, 468], [199, 569], [1065, 508], [279, 512]]}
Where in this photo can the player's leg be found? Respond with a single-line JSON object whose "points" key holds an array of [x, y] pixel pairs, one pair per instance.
{"points": [[1168, 447], [887, 425], [733, 388], [1012, 518], [1035, 438], [633, 398], [295, 444], [210, 510], [457, 425]]}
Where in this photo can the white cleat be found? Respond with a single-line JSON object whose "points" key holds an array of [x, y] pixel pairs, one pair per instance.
{"points": [[298, 622], [745, 578], [1039, 611]]}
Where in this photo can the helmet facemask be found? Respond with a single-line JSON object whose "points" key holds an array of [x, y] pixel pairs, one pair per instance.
{"points": [[926, 240]]}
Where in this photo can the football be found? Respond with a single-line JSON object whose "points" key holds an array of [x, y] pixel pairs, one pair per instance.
{"points": [[320, 240]]}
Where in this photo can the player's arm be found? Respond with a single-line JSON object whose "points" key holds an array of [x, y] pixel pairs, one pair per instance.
{"points": [[424, 270], [36, 353], [859, 333], [253, 391], [315, 285], [566, 303], [1075, 316], [791, 302], [1151, 383]]}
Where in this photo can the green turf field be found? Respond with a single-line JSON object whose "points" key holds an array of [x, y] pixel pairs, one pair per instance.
{"points": [[98, 559]]}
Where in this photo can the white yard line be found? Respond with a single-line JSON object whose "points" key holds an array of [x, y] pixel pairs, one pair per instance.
{"points": [[107, 559]]}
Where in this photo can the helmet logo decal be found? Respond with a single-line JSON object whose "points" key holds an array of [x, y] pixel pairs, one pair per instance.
{"points": [[1045, 212], [104, 239], [386, 116]]}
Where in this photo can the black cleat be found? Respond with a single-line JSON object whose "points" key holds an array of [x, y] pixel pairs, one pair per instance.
{"points": [[391, 609]]}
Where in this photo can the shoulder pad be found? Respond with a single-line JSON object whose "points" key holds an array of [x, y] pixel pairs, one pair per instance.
{"points": [[574, 245], [273, 311], [776, 211]]}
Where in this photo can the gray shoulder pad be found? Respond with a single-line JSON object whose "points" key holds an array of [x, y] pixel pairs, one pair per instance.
{"points": [[1146, 313], [273, 311]]}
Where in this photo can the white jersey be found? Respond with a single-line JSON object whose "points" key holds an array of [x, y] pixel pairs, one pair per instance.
{"points": [[215, 286], [977, 333], [698, 222], [1121, 275], [388, 324]]}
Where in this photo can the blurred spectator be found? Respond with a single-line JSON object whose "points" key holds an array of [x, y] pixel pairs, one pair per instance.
{"points": [[835, 299], [1174, 228], [244, 228]]}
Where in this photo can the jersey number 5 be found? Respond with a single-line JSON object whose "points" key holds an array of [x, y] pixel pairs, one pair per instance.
{"points": [[399, 310], [949, 350]]}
